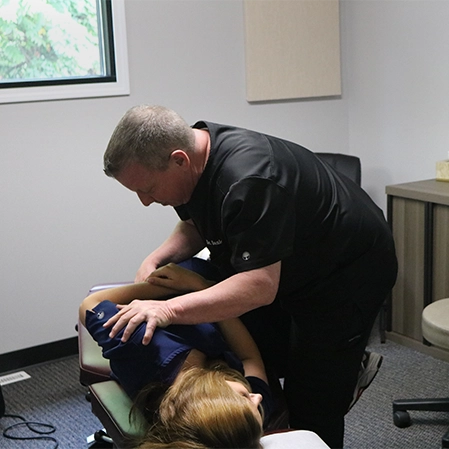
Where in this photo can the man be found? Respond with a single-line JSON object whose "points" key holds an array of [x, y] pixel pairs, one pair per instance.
{"points": [[306, 257]]}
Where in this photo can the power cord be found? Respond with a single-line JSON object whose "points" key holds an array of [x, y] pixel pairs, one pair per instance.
{"points": [[33, 427]]}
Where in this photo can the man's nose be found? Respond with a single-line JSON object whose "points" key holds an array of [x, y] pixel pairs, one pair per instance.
{"points": [[145, 198]]}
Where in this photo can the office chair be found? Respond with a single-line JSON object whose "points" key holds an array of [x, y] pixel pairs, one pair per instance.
{"points": [[350, 166], [435, 330], [345, 164]]}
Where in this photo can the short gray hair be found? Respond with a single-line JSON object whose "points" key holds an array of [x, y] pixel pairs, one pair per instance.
{"points": [[147, 135]]}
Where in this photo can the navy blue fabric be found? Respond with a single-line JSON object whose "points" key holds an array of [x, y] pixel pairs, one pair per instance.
{"points": [[134, 365], [202, 267]]}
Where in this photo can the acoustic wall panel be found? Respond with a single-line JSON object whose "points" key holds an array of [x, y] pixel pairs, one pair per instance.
{"points": [[292, 49]]}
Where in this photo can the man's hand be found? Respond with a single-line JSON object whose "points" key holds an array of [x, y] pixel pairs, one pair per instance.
{"points": [[145, 269], [178, 279], [154, 313]]}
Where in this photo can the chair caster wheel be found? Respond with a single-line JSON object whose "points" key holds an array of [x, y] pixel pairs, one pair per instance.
{"points": [[401, 419], [102, 436]]}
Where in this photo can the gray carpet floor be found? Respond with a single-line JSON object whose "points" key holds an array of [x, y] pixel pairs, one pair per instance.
{"points": [[53, 395], [404, 373]]}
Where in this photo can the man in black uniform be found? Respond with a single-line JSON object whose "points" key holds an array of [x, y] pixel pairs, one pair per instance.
{"points": [[306, 257]]}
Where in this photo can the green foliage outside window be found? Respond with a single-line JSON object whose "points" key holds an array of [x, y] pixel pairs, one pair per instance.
{"points": [[48, 39]]}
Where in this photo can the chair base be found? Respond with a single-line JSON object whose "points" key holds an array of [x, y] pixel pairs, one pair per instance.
{"points": [[401, 417]]}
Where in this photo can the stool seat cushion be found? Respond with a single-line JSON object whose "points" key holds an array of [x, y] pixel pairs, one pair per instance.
{"points": [[435, 323]]}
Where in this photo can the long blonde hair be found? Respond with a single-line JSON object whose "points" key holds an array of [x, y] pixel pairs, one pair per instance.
{"points": [[200, 410]]}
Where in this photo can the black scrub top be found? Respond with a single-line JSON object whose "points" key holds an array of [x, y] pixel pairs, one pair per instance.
{"points": [[262, 199]]}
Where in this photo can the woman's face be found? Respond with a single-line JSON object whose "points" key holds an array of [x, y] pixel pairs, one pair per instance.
{"points": [[254, 398]]}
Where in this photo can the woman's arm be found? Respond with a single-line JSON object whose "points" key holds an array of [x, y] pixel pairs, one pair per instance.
{"points": [[178, 280], [242, 344], [229, 298]]}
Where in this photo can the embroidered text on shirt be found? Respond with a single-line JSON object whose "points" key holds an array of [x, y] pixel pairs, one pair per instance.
{"points": [[214, 242]]}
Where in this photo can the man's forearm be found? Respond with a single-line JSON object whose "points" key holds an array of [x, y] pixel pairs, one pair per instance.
{"points": [[228, 299]]}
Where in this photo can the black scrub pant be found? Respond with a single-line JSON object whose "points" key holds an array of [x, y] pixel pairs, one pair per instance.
{"points": [[317, 341]]}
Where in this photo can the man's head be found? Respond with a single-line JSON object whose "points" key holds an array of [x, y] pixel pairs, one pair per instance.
{"points": [[147, 135]]}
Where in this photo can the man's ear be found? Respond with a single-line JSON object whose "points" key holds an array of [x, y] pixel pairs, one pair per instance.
{"points": [[180, 158]]}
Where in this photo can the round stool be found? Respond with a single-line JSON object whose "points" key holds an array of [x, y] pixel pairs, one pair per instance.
{"points": [[435, 323], [435, 329]]}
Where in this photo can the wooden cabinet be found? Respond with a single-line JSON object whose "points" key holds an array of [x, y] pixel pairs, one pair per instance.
{"points": [[419, 216]]}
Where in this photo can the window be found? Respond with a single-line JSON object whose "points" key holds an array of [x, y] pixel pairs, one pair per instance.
{"points": [[56, 49]]}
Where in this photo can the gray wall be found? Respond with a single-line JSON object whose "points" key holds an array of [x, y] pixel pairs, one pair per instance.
{"points": [[396, 78], [65, 226]]}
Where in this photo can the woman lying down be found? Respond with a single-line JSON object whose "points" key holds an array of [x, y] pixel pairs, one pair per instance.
{"points": [[198, 386]]}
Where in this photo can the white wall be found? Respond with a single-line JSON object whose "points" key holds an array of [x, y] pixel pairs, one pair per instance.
{"points": [[64, 225], [396, 84]]}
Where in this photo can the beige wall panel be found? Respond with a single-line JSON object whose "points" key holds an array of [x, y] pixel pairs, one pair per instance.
{"points": [[292, 49]]}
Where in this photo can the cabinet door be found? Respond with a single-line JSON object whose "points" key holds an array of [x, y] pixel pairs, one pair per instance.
{"points": [[440, 252], [408, 222]]}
